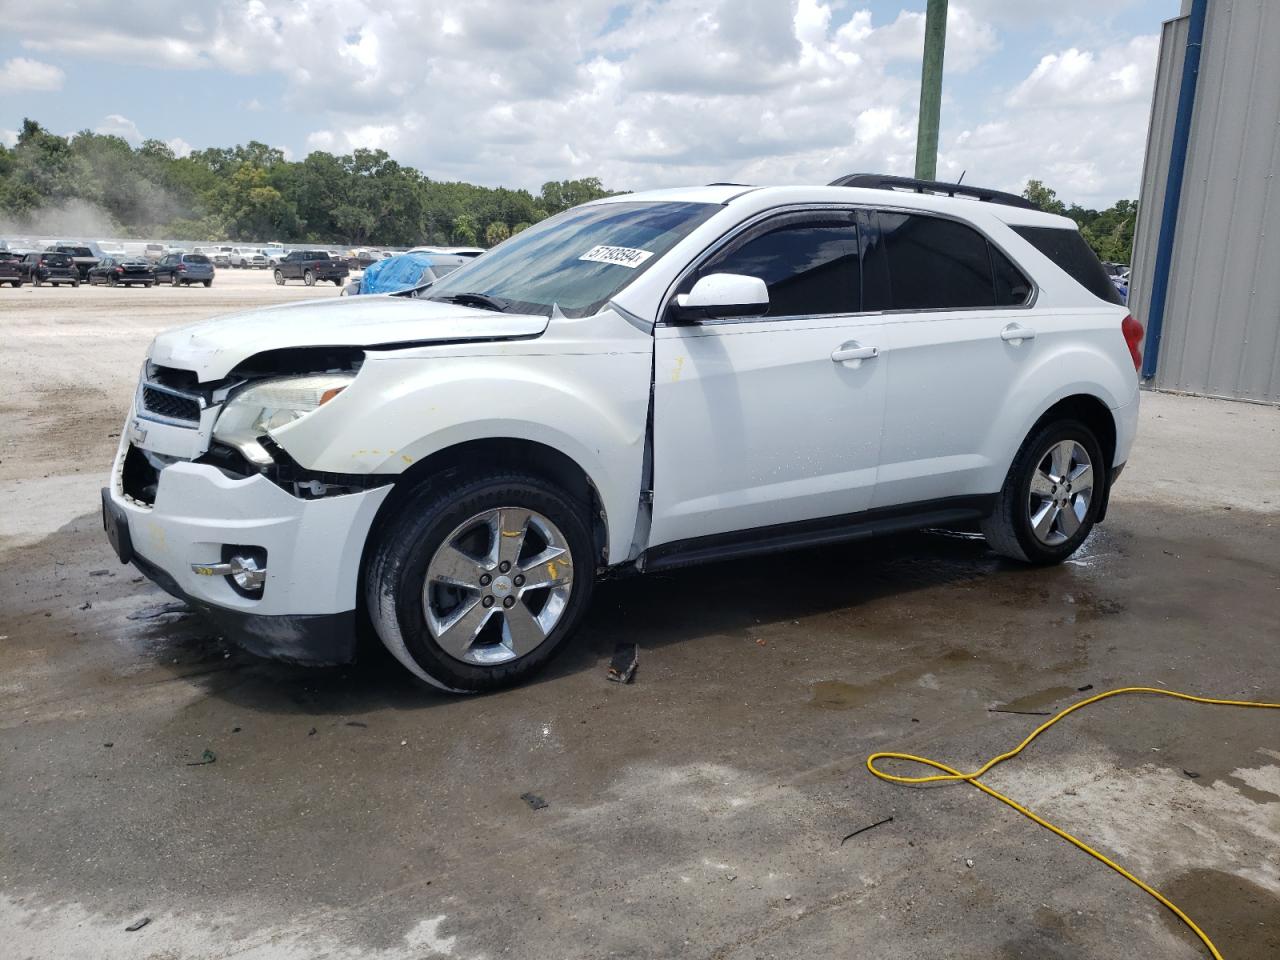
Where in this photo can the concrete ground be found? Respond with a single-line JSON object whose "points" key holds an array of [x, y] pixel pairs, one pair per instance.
{"points": [[699, 812]]}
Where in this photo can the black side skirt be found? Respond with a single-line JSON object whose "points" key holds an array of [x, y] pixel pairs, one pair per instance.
{"points": [[816, 533]]}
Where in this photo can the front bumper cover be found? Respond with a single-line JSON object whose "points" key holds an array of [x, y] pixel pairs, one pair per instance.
{"points": [[307, 610]]}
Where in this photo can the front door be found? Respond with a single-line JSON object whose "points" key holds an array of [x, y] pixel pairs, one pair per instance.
{"points": [[776, 419]]}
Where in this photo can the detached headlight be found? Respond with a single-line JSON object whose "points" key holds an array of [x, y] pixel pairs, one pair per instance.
{"points": [[265, 407]]}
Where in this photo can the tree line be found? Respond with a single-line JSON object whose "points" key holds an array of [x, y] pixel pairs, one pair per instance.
{"points": [[251, 192]]}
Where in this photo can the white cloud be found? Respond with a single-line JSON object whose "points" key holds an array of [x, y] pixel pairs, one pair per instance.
{"points": [[179, 147], [115, 125], [658, 92], [22, 73], [1117, 74], [8, 137], [1078, 122]]}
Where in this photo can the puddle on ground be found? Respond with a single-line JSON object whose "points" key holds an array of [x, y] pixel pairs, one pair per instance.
{"points": [[1241, 918], [1039, 701]]}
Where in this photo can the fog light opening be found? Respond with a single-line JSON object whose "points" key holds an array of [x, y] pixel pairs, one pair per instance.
{"points": [[247, 569]]}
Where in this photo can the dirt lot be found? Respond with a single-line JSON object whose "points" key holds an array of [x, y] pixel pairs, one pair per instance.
{"points": [[699, 812]]}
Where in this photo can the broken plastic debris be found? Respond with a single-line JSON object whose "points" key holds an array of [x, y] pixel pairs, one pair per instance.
{"points": [[534, 801], [626, 657], [137, 924]]}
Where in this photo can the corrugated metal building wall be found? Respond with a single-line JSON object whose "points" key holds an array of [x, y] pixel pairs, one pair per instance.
{"points": [[1221, 322]]}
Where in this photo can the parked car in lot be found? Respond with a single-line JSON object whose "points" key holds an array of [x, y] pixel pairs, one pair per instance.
{"points": [[184, 269], [115, 271], [274, 254], [10, 269], [639, 383], [52, 268], [403, 272], [247, 257], [311, 266], [85, 259], [221, 256]]}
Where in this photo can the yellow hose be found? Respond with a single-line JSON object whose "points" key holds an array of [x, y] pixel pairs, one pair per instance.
{"points": [[952, 775]]}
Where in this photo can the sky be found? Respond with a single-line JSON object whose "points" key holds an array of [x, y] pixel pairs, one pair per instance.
{"points": [[642, 94]]}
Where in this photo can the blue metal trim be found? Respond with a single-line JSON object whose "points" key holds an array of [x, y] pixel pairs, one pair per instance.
{"points": [[1173, 187]]}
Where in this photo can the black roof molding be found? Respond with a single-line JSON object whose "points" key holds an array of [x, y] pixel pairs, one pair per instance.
{"points": [[879, 181]]}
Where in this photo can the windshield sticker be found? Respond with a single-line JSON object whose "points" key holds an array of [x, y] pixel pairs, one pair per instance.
{"points": [[627, 257]]}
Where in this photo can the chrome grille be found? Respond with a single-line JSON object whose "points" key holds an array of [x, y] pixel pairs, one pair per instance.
{"points": [[167, 403]]}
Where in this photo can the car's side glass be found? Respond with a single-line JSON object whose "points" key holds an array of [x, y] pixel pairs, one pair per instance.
{"points": [[935, 263], [1012, 288], [810, 265]]}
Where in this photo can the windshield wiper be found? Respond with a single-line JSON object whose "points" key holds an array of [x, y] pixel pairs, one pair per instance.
{"points": [[482, 300]]}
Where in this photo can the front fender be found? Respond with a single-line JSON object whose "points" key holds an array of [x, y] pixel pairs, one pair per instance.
{"points": [[591, 407]]}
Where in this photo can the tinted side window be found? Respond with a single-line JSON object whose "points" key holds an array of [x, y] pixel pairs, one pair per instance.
{"points": [[1066, 248], [935, 263], [1012, 288], [810, 266]]}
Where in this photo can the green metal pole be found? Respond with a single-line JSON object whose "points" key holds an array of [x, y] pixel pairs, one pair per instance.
{"points": [[935, 42]]}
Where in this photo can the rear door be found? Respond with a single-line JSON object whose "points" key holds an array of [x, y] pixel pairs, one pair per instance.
{"points": [[757, 420], [955, 306]]}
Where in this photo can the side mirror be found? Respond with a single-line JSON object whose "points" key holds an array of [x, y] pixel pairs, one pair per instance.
{"points": [[722, 295]]}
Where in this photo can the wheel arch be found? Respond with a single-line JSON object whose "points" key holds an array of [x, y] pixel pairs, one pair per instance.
{"points": [[471, 457], [1094, 413]]}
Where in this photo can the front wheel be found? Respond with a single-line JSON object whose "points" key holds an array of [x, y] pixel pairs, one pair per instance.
{"points": [[476, 585], [279, 278], [1051, 495]]}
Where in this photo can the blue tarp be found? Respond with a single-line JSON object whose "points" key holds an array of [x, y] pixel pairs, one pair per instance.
{"points": [[401, 272]]}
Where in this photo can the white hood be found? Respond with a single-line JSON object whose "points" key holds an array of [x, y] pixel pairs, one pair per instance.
{"points": [[212, 348]]}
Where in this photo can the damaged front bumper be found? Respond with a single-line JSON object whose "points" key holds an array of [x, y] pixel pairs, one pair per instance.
{"points": [[304, 608]]}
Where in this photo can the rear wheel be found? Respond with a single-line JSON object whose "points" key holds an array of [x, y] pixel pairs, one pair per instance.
{"points": [[1051, 496], [111, 280], [174, 281], [476, 585], [279, 278], [208, 283], [35, 280], [309, 279], [75, 282]]}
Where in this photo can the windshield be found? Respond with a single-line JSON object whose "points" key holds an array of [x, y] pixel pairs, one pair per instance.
{"points": [[578, 260]]}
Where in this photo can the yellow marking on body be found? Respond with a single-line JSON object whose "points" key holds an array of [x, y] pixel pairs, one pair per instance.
{"points": [[675, 371]]}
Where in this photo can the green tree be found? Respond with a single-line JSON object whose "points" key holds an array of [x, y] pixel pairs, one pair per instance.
{"points": [[495, 233], [1043, 197], [558, 195], [522, 225], [464, 231]]}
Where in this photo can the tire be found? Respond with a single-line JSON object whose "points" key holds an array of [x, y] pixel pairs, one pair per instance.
{"points": [[207, 283], [174, 281], [75, 283], [309, 279], [1066, 510], [35, 281], [16, 283], [337, 283], [111, 281], [279, 278], [464, 517]]}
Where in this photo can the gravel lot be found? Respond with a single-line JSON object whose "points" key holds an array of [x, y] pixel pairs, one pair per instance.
{"points": [[697, 813]]}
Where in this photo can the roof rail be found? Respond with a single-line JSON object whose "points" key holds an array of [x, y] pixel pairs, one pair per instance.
{"points": [[878, 181]]}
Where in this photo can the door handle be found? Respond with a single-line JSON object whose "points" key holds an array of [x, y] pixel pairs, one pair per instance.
{"points": [[853, 350], [1015, 333]]}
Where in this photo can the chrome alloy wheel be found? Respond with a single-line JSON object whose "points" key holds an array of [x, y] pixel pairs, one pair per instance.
{"points": [[1061, 491], [497, 586]]}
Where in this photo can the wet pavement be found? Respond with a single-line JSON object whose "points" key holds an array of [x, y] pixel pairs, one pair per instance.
{"points": [[697, 812]]}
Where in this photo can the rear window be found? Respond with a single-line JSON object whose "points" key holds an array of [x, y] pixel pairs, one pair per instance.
{"points": [[56, 260], [318, 255], [195, 258], [1066, 248]]}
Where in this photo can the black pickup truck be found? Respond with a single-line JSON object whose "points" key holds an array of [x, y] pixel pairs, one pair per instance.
{"points": [[310, 266]]}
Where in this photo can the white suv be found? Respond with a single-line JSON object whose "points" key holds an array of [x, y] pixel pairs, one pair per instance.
{"points": [[643, 382]]}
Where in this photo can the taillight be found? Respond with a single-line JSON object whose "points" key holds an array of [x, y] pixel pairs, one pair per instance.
{"points": [[1133, 332], [183, 266], [119, 269]]}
